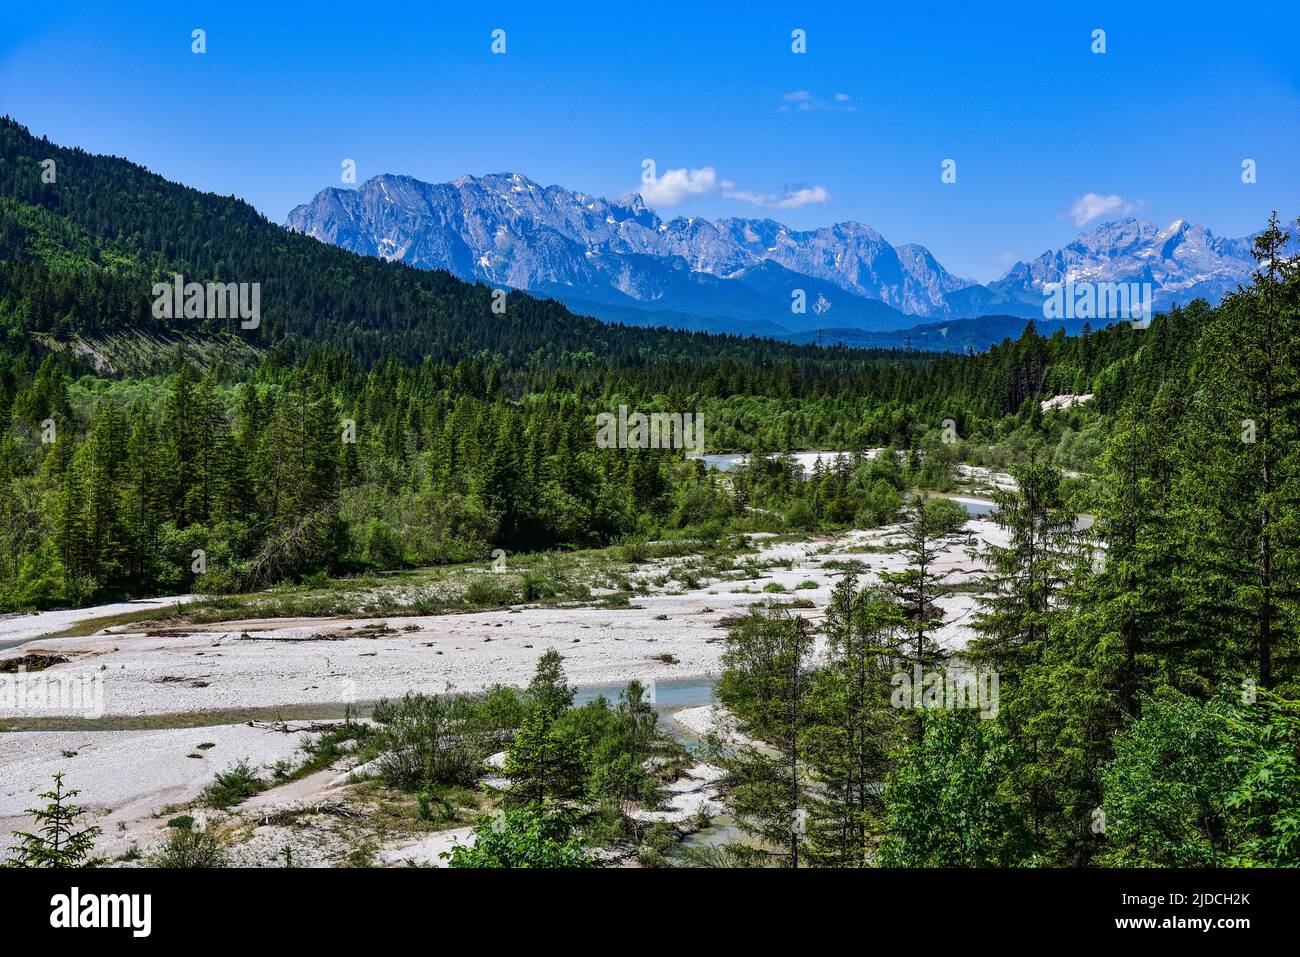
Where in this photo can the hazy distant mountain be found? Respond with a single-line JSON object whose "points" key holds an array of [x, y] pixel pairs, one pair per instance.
{"points": [[618, 260], [1181, 261]]}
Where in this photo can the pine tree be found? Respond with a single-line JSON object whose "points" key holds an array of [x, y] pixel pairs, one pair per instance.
{"points": [[1129, 605], [1020, 627], [58, 841], [916, 589], [546, 762], [1026, 577], [548, 691]]}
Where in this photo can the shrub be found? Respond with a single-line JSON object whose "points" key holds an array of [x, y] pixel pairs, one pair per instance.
{"points": [[501, 711], [633, 553], [882, 505], [190, 847], [945, 515], [488, 590], [527, 837], [659, 838], [438, 738], [233, 785], [536, 586], [800, 515]]}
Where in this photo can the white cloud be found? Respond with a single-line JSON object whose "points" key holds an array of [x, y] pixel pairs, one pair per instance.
{"points": [[804, 197], [1092, 206], [790, 199], [804, 100], [677, 185]]}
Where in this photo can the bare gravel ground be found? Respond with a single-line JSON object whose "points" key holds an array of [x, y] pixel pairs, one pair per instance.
{"points": [[163, 678]]}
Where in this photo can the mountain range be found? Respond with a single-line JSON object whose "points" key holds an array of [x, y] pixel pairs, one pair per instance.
{"points": [[619, 261]]}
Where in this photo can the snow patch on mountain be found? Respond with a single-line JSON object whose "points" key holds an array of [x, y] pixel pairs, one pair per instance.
{"points": [[618, 255]]}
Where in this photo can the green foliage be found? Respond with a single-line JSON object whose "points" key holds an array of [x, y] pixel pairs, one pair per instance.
{"points": [[1206, 784], [944, 516], [547, 761], [523, 837], [1166, 787], [547, 691], [766, 685], [621, 746], [562, 755], [58, 840], [947, 800], [233, 785], [438, 738], [852, 729], [191, 847], [917, 587]]}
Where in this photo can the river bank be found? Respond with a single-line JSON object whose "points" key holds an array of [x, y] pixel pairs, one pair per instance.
{"points": [[167, 691]]}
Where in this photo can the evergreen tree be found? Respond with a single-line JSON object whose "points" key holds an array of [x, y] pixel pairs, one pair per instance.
{"points": [[1239, 485], [851, 727], [916, 589], [58, 840], [766, 684], [1020, 629]]}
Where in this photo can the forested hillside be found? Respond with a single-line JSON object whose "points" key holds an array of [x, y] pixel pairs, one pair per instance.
{"points": [[81, 254]]}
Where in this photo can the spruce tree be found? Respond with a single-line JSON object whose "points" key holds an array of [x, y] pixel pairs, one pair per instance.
{"points": [[852, 727], [58, 840]]}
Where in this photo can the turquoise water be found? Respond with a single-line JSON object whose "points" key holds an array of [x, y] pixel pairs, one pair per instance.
{"points": [[668, 695], [975, 507]]}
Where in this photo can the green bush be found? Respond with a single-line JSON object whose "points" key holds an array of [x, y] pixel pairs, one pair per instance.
{"points": [[800, 515], [881, 506], [945, 515], [439, 738], [190, 848], [527, 837], [536, 586], [1205, 784], [487, 590], [233, 785]]}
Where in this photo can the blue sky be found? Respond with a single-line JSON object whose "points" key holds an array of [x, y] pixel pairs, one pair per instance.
{"points": [[856, 128]]}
